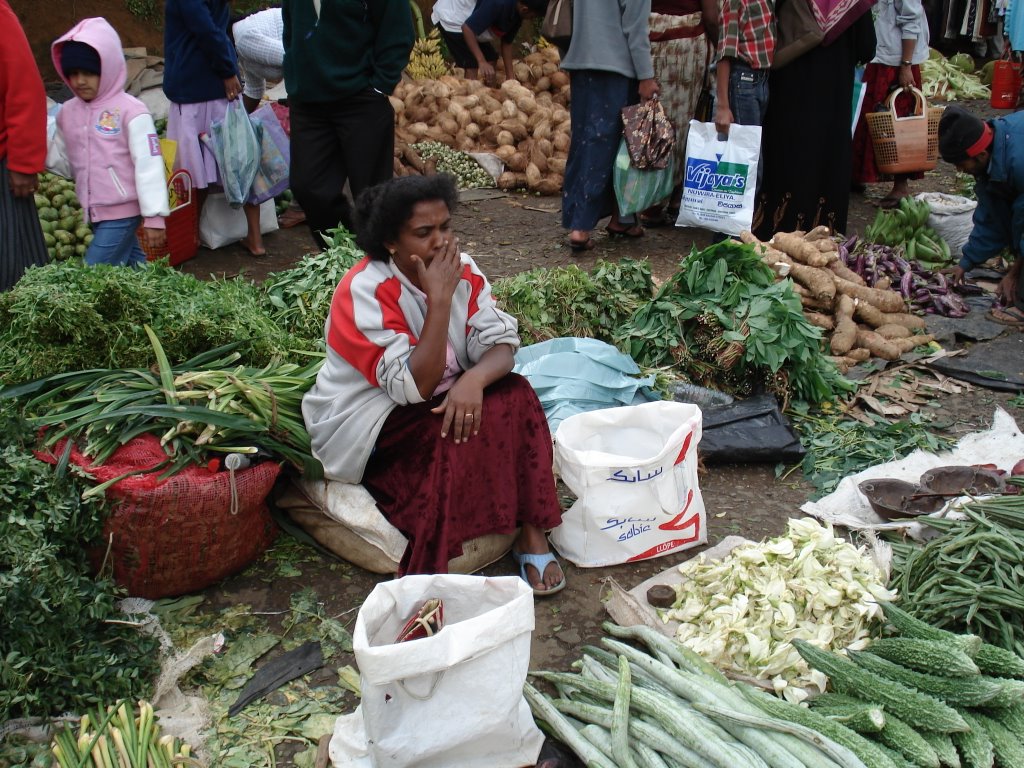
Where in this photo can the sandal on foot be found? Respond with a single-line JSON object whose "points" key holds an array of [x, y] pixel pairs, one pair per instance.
{"points": [[540, 562], [582, 245], [889, 203], [1010, 316], [634, 231]]}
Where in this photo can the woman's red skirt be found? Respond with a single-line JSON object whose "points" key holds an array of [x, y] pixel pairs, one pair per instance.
{"points": [[880, 80], [439, 494]]}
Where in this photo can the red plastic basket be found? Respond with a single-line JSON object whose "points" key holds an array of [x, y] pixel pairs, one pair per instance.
{"points": [[182, 224]]}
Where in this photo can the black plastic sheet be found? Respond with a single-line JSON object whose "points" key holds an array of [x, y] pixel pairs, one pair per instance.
{"points": [[751, 431]]}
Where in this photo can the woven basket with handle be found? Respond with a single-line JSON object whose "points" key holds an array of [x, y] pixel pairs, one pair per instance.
{"points": [[905, 144]]}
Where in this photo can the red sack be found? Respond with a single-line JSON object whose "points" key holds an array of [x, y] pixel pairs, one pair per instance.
{"points": [[182, 534]]}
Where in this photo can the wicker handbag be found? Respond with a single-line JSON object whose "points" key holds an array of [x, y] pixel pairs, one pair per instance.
{"points": [[905, 144]]}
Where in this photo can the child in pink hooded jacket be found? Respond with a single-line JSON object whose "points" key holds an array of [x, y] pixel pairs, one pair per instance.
{"points": [[107, 142]]}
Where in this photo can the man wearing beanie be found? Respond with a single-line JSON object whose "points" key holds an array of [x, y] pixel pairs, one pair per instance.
{"points": [[993, 152]]}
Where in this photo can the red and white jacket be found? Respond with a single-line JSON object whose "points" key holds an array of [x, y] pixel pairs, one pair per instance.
{"points": [[109, 145], [375, 320]]}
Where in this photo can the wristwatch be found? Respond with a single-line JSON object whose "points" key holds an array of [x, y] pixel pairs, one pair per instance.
{"points": [[906, 63]]}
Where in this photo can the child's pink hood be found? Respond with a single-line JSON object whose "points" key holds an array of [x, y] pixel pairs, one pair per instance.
{"points": [[98, 33]]}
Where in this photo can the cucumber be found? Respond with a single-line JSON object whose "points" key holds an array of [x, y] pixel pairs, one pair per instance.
{"points": [[916, 709], [930, 656], [911, 626], [960, 691], [974, 746]]}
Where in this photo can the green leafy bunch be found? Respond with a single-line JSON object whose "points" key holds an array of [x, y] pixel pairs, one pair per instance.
{"points": [[298, 299], [57, 651], [725, 321], [568, 301], [63, 317]]}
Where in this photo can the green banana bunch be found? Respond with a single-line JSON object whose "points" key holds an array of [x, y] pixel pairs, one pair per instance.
{"points": [[906, 226]]}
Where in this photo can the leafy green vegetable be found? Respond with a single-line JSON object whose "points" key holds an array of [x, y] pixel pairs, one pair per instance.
{"points": [[63, 317], [838, 446], [725, 322], [568, 301], [57, 651], [299, 298]]}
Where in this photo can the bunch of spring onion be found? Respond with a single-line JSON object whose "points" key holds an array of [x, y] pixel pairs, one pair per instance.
{"points": [[201, 407], [119, 737], [741, 613]]}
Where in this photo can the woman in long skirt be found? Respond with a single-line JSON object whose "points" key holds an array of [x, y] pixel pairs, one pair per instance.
{"points": [[22, 152]]}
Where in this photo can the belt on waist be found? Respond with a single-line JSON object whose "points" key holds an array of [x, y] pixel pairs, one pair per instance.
{"points": [[678, 33]]}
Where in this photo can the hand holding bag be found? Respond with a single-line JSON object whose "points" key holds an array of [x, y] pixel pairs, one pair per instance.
{"points": [[720, 178]]}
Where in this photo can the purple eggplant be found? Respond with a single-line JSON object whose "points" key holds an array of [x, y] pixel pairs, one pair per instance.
{"points": [[905, 284]]}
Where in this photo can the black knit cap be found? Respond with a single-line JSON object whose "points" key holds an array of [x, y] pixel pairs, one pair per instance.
{"points": [[959, 134], [77, 55]]}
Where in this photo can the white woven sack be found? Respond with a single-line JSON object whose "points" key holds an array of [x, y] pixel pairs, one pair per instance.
{"points": [[453, 700], [952, 217], [634, 473]]}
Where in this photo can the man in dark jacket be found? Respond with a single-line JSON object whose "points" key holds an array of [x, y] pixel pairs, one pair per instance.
{"points": [[993, 152], [342, 59]]}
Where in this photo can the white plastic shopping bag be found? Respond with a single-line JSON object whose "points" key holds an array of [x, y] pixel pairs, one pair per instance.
{"points": [[220, 224], [720, 178], [451, 700], [634, 473]]}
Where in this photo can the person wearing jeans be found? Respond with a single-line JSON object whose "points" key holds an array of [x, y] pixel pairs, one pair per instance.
{"points": [[341, 61], [116, 242]]}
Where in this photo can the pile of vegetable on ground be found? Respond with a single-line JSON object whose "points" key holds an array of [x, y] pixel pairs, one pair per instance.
{"points": [[60, 216], [525, 121], [865, 321], [918, 697], [741, 613], [969, 577], [952, 79]]}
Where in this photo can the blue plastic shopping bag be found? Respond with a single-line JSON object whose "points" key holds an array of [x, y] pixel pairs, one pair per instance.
{"points": [[237, 150]]}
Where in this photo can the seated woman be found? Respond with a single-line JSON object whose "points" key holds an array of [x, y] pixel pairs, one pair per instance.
{"points": [[416, 399]]}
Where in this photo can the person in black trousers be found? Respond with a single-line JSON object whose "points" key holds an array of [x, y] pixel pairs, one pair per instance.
{"points": [[342, 58]]}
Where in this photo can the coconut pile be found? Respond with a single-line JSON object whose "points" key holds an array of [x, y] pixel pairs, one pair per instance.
{"points": [[524, 121]]}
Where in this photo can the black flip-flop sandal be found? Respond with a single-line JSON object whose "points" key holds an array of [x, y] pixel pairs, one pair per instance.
{"points": [[578, 246], [634, 231]]}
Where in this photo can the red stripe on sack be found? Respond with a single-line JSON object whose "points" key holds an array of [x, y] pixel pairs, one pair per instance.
{"points": [[674, 524], [476, 286], [665, 546], [686, 447]]}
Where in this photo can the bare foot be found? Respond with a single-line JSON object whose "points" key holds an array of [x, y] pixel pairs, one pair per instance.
{"points": [[256, 249]]}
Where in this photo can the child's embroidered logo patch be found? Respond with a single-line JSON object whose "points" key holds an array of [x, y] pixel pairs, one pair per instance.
{"points": [[109, 122], [154, 144]]}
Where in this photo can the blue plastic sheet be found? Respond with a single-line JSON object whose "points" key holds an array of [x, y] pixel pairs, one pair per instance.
{"points": [[572, 375]]}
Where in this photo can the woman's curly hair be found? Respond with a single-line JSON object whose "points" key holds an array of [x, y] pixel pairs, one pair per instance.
{"points": [[382, 210]]}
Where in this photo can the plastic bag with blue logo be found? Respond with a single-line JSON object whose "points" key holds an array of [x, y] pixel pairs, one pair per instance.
{"points": [[637, 190], [720, 178], [237, 149]]}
